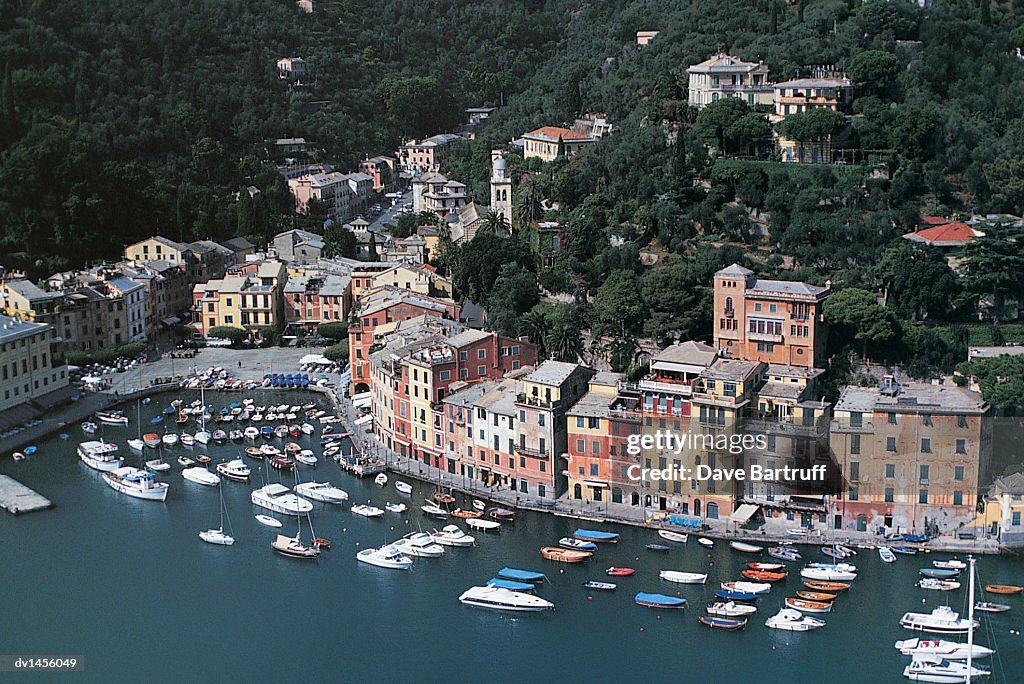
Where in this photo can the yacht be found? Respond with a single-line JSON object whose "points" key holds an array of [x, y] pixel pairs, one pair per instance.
{"points": [[203, 437], [137, 483], [731, 609], [829, 574], [385, 557], [234, 470], [949, 650], [322, 491], [497, 598], [169, 439], [293, 548], [419, 544], [136, 444], [200, 476], [367, 511], [100, 456], [942, 620], [277, 498], [451, 535], [793, 621], [306, 457], [931, 668]]}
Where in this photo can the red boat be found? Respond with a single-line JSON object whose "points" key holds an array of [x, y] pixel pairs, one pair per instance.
{"points": [[768, 567], [321, 543], [763, 576], [282, 463], [619, 572]]}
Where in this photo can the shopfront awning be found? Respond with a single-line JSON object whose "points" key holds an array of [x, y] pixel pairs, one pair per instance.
{"points": [[596, 485], [170, 321], [743, 513]]}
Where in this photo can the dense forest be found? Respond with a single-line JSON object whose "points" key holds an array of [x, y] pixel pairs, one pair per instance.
{"points": [[123, 119]]}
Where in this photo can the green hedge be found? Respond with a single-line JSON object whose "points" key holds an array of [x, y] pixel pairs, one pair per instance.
{"points": [[338, 352], [105, 356]]}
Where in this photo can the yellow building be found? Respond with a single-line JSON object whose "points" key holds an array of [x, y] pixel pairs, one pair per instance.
{"points": [[159, 248], [248, 301], [545, 142], [415, 278], [31, 366]]}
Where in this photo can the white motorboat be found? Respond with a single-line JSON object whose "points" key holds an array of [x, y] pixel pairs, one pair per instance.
{"points": [[203, 437], [930, 668], [307, 429], [367, 511], [938, 584], [170, 439], [381, 479], [886, 554], [136, 444], [403, 487], [321, 491], [829, 574], [100, 456], [200, 476], [419, 544], [268, 521], [158, 465], [497, 598], [451, 535], [748, 587], [187, 440], [279, 499], [482, 524], [306, 457], [793, 621], [479, 505], [952, 564], [942, 620], [704, 541], [251, 432], [677, 537], [731, 609], [396, 507], [385, 557], [949, 650], [683, 577], [235, 470], [138, 483]]}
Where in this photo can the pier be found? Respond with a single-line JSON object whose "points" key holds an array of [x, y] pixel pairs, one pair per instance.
{"points": [[17, 498]]}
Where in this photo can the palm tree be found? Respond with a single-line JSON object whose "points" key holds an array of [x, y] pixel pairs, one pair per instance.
{"points": [[496, 224], [534, 324], [530, 208], [564, 343]]}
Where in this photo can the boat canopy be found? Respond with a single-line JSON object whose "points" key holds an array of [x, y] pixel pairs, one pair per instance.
{"points": [[660, 599], [526, 575], [508, 584], [743, 513], [594, 534]]}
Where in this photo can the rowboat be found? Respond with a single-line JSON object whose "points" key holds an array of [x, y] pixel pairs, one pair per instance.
{"points": [[785, 553], [938, 573], [151, 439], [434, 511], [816, 596], [834, 552], [403, 487], [886, 554], [767, 567], [671, 536], [806, 606], [1003, 589], [381, 479], [683, 577], [443, 497], [905, 550], [596, 536], [986, 607], [717, 622], [730, 595], [763, 575], [253, 452], [521, 575], [704, 541], [480, 524], [619, 572], [730, 609], [578, 544], [658, 600], [745, 548], [938, 584], [466, 515], [657, 547], [478, 505], [747, 587], [501, 514], [826, 586], [564, 555], [599, 586]]}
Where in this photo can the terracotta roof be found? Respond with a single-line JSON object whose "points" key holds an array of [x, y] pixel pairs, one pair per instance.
{"points": [[947, 235], [935, 220], [553, 133]]}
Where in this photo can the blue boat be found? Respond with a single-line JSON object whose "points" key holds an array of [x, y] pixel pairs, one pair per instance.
{"points": [[157, 420], [521, 575], [939, 573], [915, 537], [907, 550], [730, 595], [657, 547], [29, 450], [509, 584], [146, 401], [170, 410], [579, 544], [599, 586], [596, 536], [658, 600], [267, 431]]}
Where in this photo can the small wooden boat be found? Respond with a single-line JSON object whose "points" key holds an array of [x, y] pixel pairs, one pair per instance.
{"points": [[763, 575], [818, 585], [704, 541], [748, 587], [660, 548], [555, 553], [465, 515], [479, 505], [502, 515], [291, 448], [659, 600], [253, 452], [281, 462], [986, 607], [578, 544], [1006, 589], [683, 577], [805, 606], [203, 458], [905, 550], [821, 596], [717, 622], [443, 498], [321, 543], [151, 439], [619, 572], [671, 536], [599, 586], [767, 567], [745, 548]]}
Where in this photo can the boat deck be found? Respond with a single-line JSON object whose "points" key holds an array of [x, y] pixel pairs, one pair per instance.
{"points": [[17, 498], [362, 469]]}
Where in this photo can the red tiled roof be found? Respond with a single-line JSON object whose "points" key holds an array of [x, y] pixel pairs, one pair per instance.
{"points": [[949, 235], [935, 220], [553, 132]]}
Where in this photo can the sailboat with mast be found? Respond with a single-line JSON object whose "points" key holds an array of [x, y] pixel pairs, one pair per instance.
{"points": [[138, 444], [203, 437], [293, 546], [218, 536], [157, 464]]}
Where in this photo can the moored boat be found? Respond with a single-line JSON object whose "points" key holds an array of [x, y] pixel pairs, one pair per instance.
{"points": [[886, 554], [151, 439], [137, 483], [793, 621], [419, 544], [987, 607], [435, 512], [497, 598], [100, 456], [403, 487], [676, 537], [268, 521], [820, 585], [510, 585], [321, 491], [294, 548], [501, 514], [596, 536], [763, 575], [112, 417], [381, 479], [942, 620], [599, 586], [767, 567], [1006, 589], [483, 525], [828, 574], [704, 541], [578, 544], [938, 573], [234, 470], [786, 553], [200, 476], [367, 511], [951, 564], [732, 595], [822, 596], [743, 547], [747, 587], [619, 572], [279, 499], [657, 547], [521, 575], [683, 577], [937, 584], [464, 514], [805, 606], [658, 600], [930, 668], [950, 650], [730, 609], [718, 622], [388, 556], [555, 553]]}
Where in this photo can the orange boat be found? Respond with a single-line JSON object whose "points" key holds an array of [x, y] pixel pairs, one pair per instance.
{"points": [[763, 575], [808, 606], [321, 543], [462, 513], [564, 555], [826, 586], [816, 596], [443, 498], [1003, 589]]}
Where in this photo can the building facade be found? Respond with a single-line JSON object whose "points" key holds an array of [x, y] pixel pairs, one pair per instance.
{"points": [[31, 367], [547, 142], [724, 76]]}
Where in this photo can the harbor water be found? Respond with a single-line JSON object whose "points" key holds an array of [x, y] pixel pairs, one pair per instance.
{"points": [[128, 586]]}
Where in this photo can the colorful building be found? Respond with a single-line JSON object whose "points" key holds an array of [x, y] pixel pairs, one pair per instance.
{"points": [[427, 155], [32, 369], [723, 75], [250, 301], [547, 142]]}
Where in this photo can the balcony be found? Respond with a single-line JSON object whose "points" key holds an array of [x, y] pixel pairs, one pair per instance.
{"points": [[846, 425], [634, 415], [529, 451], [764, 337], [730, 312], [662, 386], [538, 402]]}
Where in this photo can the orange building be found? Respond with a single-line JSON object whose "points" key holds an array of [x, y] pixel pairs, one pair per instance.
{"points": [[775, 321]]}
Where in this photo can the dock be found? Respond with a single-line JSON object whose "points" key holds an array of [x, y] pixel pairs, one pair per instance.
{"points": [[17, 498], [362, 467]]}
